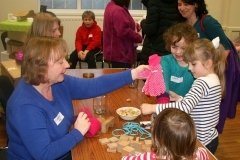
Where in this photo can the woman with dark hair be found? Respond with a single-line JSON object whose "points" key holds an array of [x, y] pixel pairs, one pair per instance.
{"points": [[196, 14], [119, 34], [193, 11]]}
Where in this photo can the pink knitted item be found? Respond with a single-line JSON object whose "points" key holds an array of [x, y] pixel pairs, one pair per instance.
{"points": [[154, 84], [95, 123]]}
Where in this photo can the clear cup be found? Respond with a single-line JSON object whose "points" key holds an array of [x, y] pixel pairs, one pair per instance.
{"points": [[134, 84], [10, 16], [99, 104]]}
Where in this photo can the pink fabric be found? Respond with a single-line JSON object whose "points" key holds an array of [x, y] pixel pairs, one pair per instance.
{"points": [[154, 84], [163, 100], [95, 123]]}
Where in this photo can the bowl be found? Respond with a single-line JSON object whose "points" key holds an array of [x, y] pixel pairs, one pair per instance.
{"points": [[30, 19], [128, 113]]}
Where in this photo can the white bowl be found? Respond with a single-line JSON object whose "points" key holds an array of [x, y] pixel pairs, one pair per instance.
{"points": [[128, 113]]}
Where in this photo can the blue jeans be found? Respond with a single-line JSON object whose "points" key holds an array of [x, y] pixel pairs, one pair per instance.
{"points": [[212, 146]]}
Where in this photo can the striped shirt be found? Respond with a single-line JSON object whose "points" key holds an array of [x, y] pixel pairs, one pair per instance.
{"points": [[201, 154], [202, 103]]}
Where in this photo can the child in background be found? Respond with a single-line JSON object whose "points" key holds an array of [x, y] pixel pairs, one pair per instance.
{"points": [[88, 42], [207, 63], [176, 75], [174, 137]]}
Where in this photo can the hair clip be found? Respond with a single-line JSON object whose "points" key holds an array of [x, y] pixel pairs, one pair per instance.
{"points": [[215, 42], [209, 53]]}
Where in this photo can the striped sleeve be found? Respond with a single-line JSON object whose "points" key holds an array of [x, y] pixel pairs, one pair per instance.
{"points": [[198, 90], [202, 154]]}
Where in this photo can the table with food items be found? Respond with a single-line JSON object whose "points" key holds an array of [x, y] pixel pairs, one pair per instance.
{"points": [[121, 132]]}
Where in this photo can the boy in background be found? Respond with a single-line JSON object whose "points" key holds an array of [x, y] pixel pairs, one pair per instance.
{"points": [[88, 42]]}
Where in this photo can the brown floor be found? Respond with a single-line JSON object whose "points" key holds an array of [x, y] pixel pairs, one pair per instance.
{"points": [[229, 140], [228, 149]]}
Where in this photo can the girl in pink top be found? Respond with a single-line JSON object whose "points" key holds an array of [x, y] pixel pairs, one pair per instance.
{"points": [[174, 138]]}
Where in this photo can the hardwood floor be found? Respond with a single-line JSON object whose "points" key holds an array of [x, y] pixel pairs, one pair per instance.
{"points": [[229, 140]]}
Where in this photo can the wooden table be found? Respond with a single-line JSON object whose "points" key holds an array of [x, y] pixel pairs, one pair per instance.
{"points": [[91, 148], [11, 69]]}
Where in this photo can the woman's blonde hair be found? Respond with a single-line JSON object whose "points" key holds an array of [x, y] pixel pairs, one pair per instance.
{"points": [[42, 25], [174, 135], [38, 52], [203, 50]]}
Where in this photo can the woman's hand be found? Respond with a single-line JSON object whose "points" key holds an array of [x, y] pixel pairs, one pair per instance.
{"points": [[139, 69], [148, 108], [82, 123]]}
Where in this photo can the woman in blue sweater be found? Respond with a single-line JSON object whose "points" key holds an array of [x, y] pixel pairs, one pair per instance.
{"points": [[40, 108]]}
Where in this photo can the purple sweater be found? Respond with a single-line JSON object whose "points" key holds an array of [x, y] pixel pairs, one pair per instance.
{"points": [[119, 34], [32, 127]]}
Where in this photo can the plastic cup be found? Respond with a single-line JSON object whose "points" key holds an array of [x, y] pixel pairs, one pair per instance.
{"points": [[134, 84]]}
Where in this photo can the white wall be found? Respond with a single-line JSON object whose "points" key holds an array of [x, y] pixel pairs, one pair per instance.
{"points": [[225, 11], [12, 6]]}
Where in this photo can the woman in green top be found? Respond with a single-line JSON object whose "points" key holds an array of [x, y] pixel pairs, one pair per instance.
{"points": [[193, 11], [196, 14]]}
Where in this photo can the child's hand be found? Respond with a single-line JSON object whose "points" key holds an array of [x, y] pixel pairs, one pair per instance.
{"points": [[173, 96], [147, 108], [84, 54], [82, 123], [80, 54]]}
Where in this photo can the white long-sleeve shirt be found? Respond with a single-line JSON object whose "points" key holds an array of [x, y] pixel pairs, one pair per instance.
{"points": [[202, 103]]}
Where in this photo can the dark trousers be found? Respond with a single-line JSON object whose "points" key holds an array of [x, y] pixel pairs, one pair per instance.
{"points": [[212, 146], [90, 58], [6, 89], [121, 65], [3, 36]]}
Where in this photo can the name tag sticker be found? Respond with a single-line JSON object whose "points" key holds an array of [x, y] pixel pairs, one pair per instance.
{"points": [[90, 35], [176, 79], [58, 119]]}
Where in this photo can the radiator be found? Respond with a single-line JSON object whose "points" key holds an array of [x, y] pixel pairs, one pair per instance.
{"points": [[70, 26]]}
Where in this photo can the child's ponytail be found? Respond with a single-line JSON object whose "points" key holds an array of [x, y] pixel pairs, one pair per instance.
{"points": [[219, 62]]}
